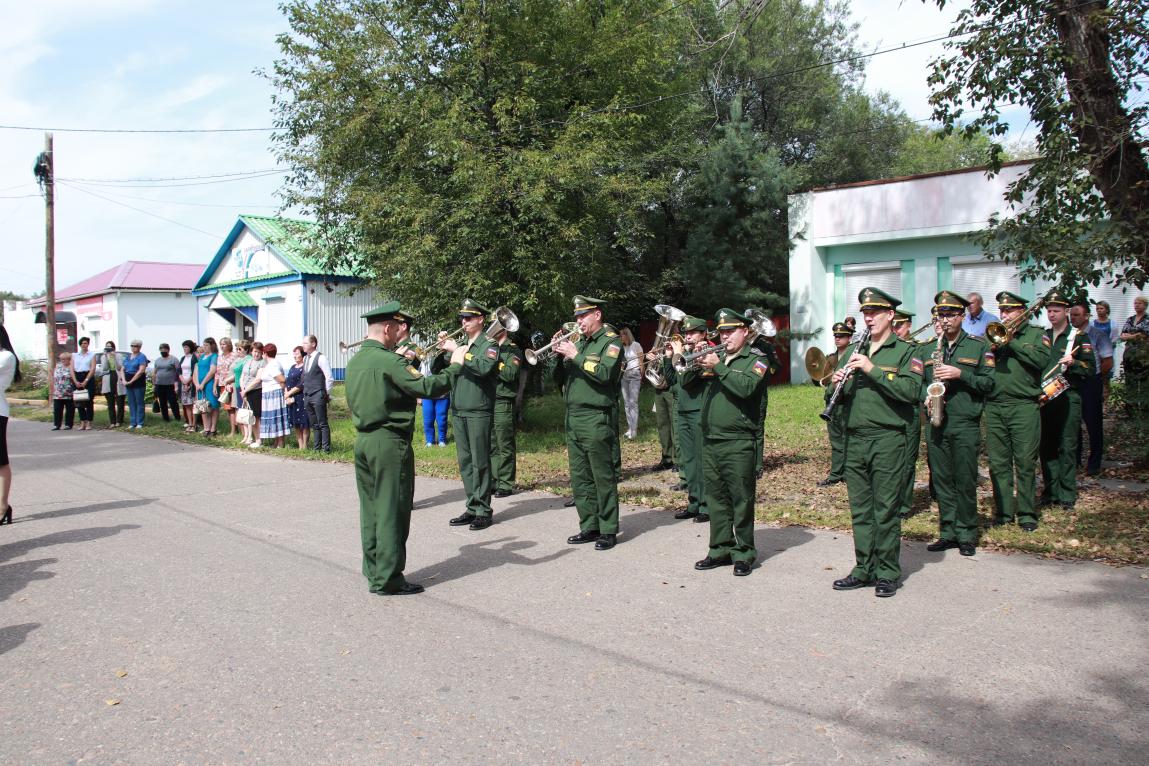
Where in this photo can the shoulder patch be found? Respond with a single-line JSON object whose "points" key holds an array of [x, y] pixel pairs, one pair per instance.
{"points": [[760, 368], [989, 359], [1045, 340], [612, 350], [589, 366], [916, 366], [515, 361], [414, 372], [492, 352], [1086, 346], [610, 334]]}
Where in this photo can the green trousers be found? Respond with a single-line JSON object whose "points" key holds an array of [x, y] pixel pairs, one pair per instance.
{"points": [[592, 437], [729, 468], [913, 448], [1013, 431], [616, 444], [760, 436], [875, 473], [385, 478], [473, 443], [688, 437], [1060, 422], [665, 415], [504, 455], [953, 455], [836, 428]]}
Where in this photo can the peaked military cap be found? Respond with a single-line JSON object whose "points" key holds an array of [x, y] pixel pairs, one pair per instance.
{"points": [[873, 298], [902, 316], [389, 310], [1008, 300], [948, 299], [1058, 298], [585, 305], [472, 308], [690, 324], [841, 328], [727, 319]]}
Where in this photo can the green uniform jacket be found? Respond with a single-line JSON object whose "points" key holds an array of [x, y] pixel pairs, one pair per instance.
{"points": [[507, 377], [690, 386], [886, 396], [1083, 362], [591, 378], [733, 404], [965, 397], [382, 387], [1020, 364], [474, 389]]}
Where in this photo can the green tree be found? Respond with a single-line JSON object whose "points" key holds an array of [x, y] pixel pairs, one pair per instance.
{"points": [[924, 150], [1082, 208]]}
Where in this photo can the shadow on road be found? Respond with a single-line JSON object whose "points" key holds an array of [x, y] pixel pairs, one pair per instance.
{"points": [[479, 557], [13, 577], [14, 635], [20, 547], [443, 498], [93, 508]]}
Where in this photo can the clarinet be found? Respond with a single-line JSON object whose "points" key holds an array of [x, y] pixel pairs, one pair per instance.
{"points": [[828, 413]]}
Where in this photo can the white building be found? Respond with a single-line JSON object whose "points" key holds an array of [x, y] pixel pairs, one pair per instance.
{"points": [[143, 300], [263, 285], [908, 236]]}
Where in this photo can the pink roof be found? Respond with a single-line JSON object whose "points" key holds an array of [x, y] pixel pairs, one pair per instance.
{"points": [[134, 275]]}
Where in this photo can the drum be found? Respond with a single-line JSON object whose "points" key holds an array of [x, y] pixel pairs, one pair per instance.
{"points": [[1051, 388]]}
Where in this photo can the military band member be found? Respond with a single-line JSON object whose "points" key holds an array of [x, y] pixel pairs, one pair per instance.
{"points": [[690, 389], [903, 323], [665, 416], [1012, 419], [504, 455], [1061, 416], [878, 397], [730, 428], [836, 425], [472, 414], [382, 386], [765, 347], [589, 372], [966, 366]]}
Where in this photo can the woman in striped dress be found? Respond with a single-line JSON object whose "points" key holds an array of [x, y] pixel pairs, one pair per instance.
{"points": [[273, 424]]}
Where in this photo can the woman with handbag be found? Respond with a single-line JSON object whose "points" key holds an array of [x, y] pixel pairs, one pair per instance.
{"points": [[84, 379], [188, 363], [207, 400], [225, 380], [109, 371], [252, 388], [293, 398]]}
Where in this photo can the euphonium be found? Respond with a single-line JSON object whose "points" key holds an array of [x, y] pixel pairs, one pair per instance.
{"points": [[669, 320], [569, 331], [936, 391]]}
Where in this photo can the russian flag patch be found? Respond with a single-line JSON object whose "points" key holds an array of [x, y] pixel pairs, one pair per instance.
{"points": [[917, 367], [492, 352], [761, 368]]}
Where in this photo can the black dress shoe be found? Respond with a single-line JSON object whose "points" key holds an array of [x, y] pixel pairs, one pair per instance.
{"points": [[7, 517], [679, 486], [665, 465], [941, 545], [604, 542], [741, 568], [828, 482], [1044, 501], [709, 563], [583, 537], [460, 521], [967, 549], [406, 589], [504, 493], [569, 503], [886, 588], [481, 522], [702, 518], [1029, 526], [687, 514], [1066, 506], [849, 582]]}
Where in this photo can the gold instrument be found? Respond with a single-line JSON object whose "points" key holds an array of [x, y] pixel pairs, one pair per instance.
{"points": [[502, 319], [936, 391], [669, 322], [760, 324], [999, 334], [820, 366], [344, 346], [569, 331]]}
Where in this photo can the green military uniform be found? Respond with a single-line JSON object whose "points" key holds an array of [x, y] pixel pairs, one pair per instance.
{"points": [[878, 408], [914, 431], [1012, 420], [765, 347], [616, 415], [382, 387], [472, 414], [690, 390], [665, 417], [503, 452], [590, 382], [1061, 416], [730, 412], [836, 425], [953, 445]]}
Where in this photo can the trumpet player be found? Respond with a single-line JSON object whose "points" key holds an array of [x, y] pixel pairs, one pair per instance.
{"points": [[472, 413], [836, 425], [504, 455], [880, 381], [1012, 418], [689, 389], [589, 372], [730, 410], [965, 365]]}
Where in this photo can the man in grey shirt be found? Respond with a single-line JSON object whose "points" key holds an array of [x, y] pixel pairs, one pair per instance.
{"points": [[166, 377]]}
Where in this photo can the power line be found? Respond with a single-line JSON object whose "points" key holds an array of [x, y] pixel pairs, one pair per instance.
{"points": [[172, 178], [121, 185], [20, 196], [135, 130], [214, 236], [190, 204]]}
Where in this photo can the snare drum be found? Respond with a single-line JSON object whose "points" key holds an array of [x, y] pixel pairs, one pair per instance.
{"points": [[1051, 388]]}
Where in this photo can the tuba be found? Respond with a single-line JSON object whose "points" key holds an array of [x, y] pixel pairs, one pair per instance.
{"points": [[669, 321], [936, 391]]}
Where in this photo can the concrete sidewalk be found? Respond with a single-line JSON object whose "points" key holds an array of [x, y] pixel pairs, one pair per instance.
{"points": [[215, 596]]}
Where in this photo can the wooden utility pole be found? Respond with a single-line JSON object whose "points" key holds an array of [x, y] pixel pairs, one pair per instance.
{"points": [[46, 174]]}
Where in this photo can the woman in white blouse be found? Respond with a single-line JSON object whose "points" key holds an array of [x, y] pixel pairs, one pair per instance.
{"points": [[632, 374], [9, 374]]}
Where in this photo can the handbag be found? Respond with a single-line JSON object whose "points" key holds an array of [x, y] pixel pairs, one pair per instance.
{"points": [[225, 397], [244, 416], [201, 406], [81, 396]]}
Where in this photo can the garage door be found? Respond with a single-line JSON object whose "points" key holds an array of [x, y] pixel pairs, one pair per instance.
{"points": [[856, 277], [988, 278]]}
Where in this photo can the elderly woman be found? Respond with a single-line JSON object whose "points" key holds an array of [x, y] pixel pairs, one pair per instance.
{"points": [[293, 398], [225, 380], [204, 380], [251, 387], [63, 408], [135, 375], [109, 369], [1135, 333], [273, 421]]}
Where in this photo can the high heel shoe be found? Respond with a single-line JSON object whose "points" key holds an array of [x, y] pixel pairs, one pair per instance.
{"points": [[7, 519]]}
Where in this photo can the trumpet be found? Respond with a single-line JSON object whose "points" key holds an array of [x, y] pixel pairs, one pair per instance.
{"points": [[685, 362], [570, 331], [502, 320], [760, 324], [344, 346]]}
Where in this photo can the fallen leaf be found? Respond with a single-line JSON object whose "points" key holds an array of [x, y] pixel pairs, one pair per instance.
{"points": [[1074, 542], [111, 701], [828, 569], [345, 652], [121, 673]]}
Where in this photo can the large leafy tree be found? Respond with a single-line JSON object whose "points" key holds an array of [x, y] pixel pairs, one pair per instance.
{"points": [[1082, 209]]}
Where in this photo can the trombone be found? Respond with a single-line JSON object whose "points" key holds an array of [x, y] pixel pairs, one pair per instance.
{"points": [[999, 334], [569, 331]]}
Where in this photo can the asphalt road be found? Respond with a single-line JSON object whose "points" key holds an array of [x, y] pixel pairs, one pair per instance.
{"points": [[215, 597]]}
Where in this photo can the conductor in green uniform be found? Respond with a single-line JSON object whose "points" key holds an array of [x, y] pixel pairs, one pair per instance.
{"points": [[965, 364], [504, 456], [882, 381], [836, 425], [382, 386], [590, 371], [689, 388], [1061, 416], [730, 429], [1012, 419], [472, 414]]}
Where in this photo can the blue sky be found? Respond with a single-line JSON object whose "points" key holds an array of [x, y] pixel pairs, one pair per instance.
{"points": [[183, 64]]}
